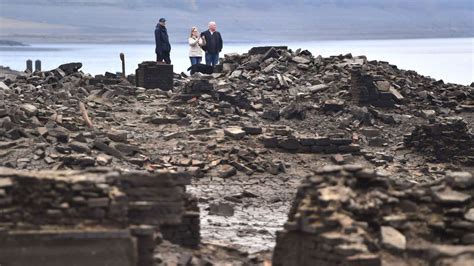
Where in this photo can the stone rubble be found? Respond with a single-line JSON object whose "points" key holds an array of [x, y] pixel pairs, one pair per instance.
{"points": [[449, 139], [144, 203], [257, 126], [351, 215]]}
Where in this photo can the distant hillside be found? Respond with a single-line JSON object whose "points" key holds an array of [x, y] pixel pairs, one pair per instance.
{"points": [[11, 43], [199, 4], [240, 20]]}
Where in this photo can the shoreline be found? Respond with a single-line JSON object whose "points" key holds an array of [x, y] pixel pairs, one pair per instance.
{"points": [[431, 57]]}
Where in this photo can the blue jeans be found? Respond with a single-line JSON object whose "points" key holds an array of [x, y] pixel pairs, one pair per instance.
{"points": [[212, 59], [195, 60]]}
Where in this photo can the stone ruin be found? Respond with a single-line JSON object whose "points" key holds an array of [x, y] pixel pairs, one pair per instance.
{"points": [[239, 125], [445, 139], [204, 86], [116, 211], [369, 89], [351, 215], [284, 139], [151, 75]]}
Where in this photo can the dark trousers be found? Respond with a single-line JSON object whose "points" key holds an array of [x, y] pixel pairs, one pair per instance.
{"points": [[195, 60], [212, 59], [164, 56]]}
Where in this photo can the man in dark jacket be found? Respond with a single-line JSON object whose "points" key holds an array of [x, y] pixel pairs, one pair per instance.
{"points": [[213, 44], [163, 47]]}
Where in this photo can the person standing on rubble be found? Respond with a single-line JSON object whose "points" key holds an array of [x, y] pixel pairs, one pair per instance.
{"points": [[195, 43], [163, 46], [213, 44]]}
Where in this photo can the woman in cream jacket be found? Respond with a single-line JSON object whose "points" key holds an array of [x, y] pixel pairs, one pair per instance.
{"points": [[195, 43]]}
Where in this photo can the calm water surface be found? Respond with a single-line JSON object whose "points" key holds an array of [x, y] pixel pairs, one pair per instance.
{"points": [[449, 59]]}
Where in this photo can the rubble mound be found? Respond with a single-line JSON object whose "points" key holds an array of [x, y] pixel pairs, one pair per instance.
{"points": [[445, 139], [352, 215], [374, 90], [49, 120], [247, 133], [283, 138]]}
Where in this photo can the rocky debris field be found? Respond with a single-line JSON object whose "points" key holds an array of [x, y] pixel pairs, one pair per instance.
{"points": [[249, 134], [351, 215]]}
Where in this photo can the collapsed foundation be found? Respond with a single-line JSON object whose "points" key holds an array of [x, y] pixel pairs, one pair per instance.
{"points": [[350, 215], [93, 214], [446, 140]]}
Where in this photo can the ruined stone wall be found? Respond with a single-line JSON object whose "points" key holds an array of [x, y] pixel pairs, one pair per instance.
{"points": [[447, 139], [68, 247], [36, 199], [140, 202], [93, 197], [367, 89], [151, 75], [309, 143], [186, 233], [350, 215]]}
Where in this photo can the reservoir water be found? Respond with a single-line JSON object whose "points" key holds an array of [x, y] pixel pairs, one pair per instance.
{"points": [[451, 60]]}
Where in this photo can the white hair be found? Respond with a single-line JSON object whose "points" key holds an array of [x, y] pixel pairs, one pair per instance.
{"points": [[211, 23]]}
